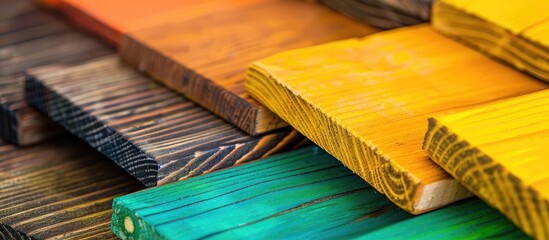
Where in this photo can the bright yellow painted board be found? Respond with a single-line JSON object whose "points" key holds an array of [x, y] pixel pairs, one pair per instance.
{"points": [[366, 101], [516, 31], [501, 153]]}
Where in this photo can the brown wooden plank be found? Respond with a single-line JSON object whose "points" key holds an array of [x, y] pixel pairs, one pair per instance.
{"points": [[30, 39], [384, 14], [152, 132], [205, 57], [58, 190]]}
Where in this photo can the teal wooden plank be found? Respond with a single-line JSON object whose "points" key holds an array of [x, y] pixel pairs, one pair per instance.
{"points": [[301, 194]]}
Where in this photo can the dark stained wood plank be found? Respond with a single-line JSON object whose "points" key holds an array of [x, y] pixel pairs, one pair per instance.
{"points": [[303, 194], [384, 14], [59, 190], [30, 39], [153, 133], [205, 57]]}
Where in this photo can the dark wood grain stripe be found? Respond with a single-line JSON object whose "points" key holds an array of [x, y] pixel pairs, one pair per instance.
{"points": [[58, 190], [150, 131], [29, 39]]}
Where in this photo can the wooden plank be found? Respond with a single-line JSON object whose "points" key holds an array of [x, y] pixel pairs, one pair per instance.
{"points": [[153, 133], [205, 58], [514, 31], [112, 19], [499, 152], [301, 194], [58, 190], [366, 101], [30, 39], [384, 14]]}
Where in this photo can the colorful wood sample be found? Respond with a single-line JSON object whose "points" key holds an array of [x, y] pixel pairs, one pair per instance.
{"points": [[205, 57], [366, 101], [384, 13], [58, 190], [300, 194], [153, 133], [31, 38], [499, 151], [514, 31]]}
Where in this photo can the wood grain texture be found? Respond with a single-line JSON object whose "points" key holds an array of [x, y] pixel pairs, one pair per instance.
{"points": [[499, 151], [33, 38], [153, 133], [384, 14], [58, 190], [516, 32], [112, 19], [301, 194], [205, 57], [366, 102]]}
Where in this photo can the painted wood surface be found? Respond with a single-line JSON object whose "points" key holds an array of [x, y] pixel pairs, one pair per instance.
{"points": [[153, 133], [499, 152], [62, 189], [366, 101], [384, 14], [301, 194], [514, 31], [31, 38], [205, 58]]}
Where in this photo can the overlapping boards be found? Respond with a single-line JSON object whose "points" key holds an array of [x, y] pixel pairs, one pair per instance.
{"points": [[499, 152], [58, 190], [153, 133], [514, 31], [301, 194], [30, 38], [366, 102]]}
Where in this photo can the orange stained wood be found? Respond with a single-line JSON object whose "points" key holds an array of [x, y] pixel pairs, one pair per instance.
{"points": [[366, 101], [500, 152], [111, 19], [205, 58], [514, 31]]}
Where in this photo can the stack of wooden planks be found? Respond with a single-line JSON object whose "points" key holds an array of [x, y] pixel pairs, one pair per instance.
{"points": [[366, 102]]}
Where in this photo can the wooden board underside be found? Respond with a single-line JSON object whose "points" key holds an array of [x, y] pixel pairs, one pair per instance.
{"points": [[514, 31], [29, 39], [499, 152], [59, 190], [153, 133], [366, 101], [302, 194], [384, 14], [205, 57]]}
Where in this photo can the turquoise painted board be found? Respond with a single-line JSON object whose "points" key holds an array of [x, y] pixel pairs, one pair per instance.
{"points": [[302, 194]]}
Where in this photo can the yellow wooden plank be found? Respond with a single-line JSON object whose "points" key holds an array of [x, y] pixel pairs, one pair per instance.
{"points": [[366, 101], [500, 152], [514, 31]]}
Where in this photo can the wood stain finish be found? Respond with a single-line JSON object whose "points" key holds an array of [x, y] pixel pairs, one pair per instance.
{"points": [[301, 194], [499, 151], [366, 102], [153, 133], [515, 31], [58, 190], [205, 57]]}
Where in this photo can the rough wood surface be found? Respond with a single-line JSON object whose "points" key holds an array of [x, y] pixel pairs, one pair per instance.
{"points": [[59, 190], [366, 101], [515, 31], [499, 152], [205, 57], [153, 133], [33, 38], [384, 14], [300, 194]]}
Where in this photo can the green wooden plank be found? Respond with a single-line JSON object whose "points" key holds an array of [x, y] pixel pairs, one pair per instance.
{"points": [[300, 194]]}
